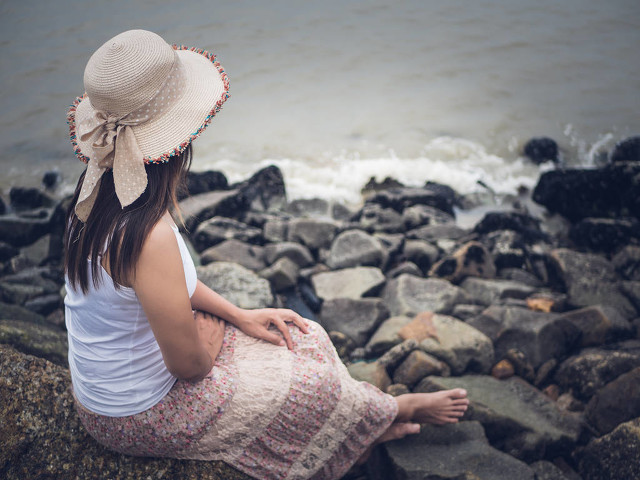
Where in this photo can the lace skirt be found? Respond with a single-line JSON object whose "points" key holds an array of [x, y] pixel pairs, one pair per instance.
{"points": [[268, 411]]}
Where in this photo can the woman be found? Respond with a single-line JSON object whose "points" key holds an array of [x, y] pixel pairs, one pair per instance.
{"points": [[262, 389]]}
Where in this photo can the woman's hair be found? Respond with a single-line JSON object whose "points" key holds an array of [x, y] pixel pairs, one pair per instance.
{"points": [[119, 233]]}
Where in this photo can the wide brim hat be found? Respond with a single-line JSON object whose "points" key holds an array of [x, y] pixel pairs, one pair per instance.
{"points": [[157, 97]]}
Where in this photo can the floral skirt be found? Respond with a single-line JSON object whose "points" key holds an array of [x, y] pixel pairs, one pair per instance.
{"points": [[268, 411]]}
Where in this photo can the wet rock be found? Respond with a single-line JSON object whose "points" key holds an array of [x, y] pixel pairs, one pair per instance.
{"points": [[460, 345], [394, 356], [3, 207], [352, 283], [627, 262], [609, 192], [372, 373], [459, 451], [487, 292], [357, 319], [24, 198], [503, 369], [627, 150], [218, 229], [21, 231], [237, 284], [542, 149], [613, 456], [422, 254], [409, 295], [374, 218], [43, 438], [517, 417], [312, 233], [605, 234], [386, 336], [471, 259], [235, 251], [265, 190], [295, 252], [282, 274], [418, 365], [409, 268], [600, 324], [208, 181], [590, 370], [540, 336], [419, 215], [354, 248], [615, 403], [198, 208], [35, 338], [374, 186]]}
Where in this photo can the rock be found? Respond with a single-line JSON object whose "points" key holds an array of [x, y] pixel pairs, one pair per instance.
{"points": [[590, 370], [409, 295], [568, 402], [605, 234], [38, 252], [419, 215], [198, 208], [544, 372], [522, 223], [19, 293], [590, 280], [218, 229], [391, 242], [21, 231], [503, 369], [627, 262], [35, 338], [375, 218], [203, 182], [237, 284], [409, 268], [372, 373], [460, 345], [627, 150], [386, 336], [7, 251], [521, 364], [3, 207], [540, 336], [56, 318], [342, 343], [519, 275], [282, 274], [357, 319], [311, 233], [632, 291], [434, 195], [355, 248], [15, 312], [542, 149], [421, 253], [487, 292], [309, 297], [459, 451], [352, 283], [416, 366], [235, 251], [308, 207], [419, 328], [465, 312], [518, 418], [616, 402], [374, 186], [613, 456], [609, 192], [471, 259], [51, 178], [295, 252], [397, 389], [547, 471], [265, 190], [394, 356], [276, 229], [547, 302], [507, 248], [43, 438], [600, 324], [23, 198], [44, 305], [434, 233]]}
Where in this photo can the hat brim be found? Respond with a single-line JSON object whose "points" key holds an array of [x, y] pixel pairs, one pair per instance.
{"points": [[205, 91]]}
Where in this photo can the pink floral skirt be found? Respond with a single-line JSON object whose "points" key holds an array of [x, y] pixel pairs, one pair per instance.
{"points": [[268, 411]]}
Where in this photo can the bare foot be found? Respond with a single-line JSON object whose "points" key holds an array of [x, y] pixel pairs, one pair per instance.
{"points": [[395, 432], [439, 408]]}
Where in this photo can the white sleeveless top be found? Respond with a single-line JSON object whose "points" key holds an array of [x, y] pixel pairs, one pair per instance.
{"points": [[115, 361]]}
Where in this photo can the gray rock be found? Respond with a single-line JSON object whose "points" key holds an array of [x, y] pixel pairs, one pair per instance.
{"points": [[397, 389], [421, 253], [540, 336], [375, 218], [627, 262], [507, 248], [21, 231], [600, 324], [518, 418], [465, 312], [419, 215], [44, 305], [487, 292], [461, 346], [400, 198], [616, 402], [632, 291], [312, 233], [198, 208], [38, 251], [471, 259], [276, 229], [218, 229], [282, 274], [19, 293], [354, 248], [433, 233], [265, 190], [237, 284], [235, 251], [352, 283], [404, 267], [410, 295], [459, 451], [386, 336], [519, 275], [308, 207], [357, 319], [295, 252], [36, 338], [391, 242], [418, 365], [395, 355], [370, 372]]}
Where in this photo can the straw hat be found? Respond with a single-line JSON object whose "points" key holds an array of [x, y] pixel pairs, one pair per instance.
{"points": [[145, 102]]}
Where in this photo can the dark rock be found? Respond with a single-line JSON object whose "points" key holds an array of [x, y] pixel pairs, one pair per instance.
{"points": [[507, 248], [486, 292], [627, 150], [591, 369], [410, 295], [568, 402], [357, 319], [627, 262], [542, 149], [265, 190], [434, 195], [547, 471], [391, 242], [42, 436], [218, 229], [308, 295], [517, 417], [375, 218], [7, 251], [35, 338], [20, 231], [526, 225], [600, 324], [312, 233], [295, 252], [198, 208], [421, 253], [3, 207], [609, 192], [23, 198], [420, 215], [433, 233], [519, 275], [237, 284], [616, 402], [374, 186], [44, 305], [249, 256], [15, 312], [404, 267], [276, 229], [613, 456], [351, 283], [341, 212], [605, 234], [540, 336], [354, 248], [51, 178], [471, 259], [203, 182], [58, 226], [632, 291], [56, 318], [544, 372]]}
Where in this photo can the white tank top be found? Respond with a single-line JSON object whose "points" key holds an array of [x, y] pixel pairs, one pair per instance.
{"points": [[115, 362]]}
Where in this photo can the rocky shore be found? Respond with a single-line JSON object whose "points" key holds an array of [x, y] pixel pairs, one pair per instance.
{"points": [[535, 310]]}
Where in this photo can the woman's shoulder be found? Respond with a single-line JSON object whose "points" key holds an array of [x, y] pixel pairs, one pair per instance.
{"points": [[161, 238]]}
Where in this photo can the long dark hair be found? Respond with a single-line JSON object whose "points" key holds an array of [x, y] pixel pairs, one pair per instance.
{"points": [[120, 232]]}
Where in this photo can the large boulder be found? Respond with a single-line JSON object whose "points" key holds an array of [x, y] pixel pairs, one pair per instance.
{"points": [[245, 254], [202, 182], [35, 337], [356, 248], [616, 402], [42, 436], [352, 283], [518, 418], [357, 319], [198, 208], [237, 284], [605, 234], [419, 215], [265, 190], [600, 324], [312, 233]]}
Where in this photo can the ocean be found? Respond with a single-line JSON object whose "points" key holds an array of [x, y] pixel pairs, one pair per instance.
{"points": [[335, 92]]}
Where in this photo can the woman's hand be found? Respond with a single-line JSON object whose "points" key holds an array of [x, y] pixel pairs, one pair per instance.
{"points": [[256, 323], [210, 331]]}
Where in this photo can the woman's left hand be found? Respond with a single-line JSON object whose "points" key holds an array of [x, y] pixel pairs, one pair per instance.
{"points": [[256, 323]]}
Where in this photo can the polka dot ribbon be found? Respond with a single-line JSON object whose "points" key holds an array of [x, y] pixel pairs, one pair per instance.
{"points": [[115, 147]]}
